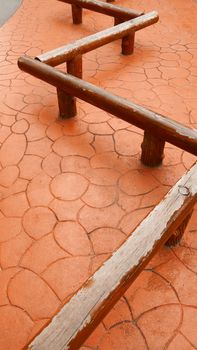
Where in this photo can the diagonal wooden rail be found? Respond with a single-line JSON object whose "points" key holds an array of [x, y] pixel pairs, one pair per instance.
{"points": [[79, 317], [72, 53], [118, 12], [158, 128], [92, 42], [120, 15]]}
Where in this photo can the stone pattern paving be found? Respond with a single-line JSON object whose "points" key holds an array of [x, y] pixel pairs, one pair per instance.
{"points": [[72, 191]]}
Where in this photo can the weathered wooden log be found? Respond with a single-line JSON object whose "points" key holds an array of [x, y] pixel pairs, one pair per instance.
{"points": [[106, 8], [85, 310], [152, 149], [160, 126], [79, 47]]}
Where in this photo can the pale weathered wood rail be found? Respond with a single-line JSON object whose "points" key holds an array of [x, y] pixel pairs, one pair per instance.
{"points": [[157, 127], [92, 42], [122, 13], [79, 317]]}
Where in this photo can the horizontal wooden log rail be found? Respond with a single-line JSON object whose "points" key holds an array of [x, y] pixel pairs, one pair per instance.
{"points": [[158, 128], [92, 42], [85, 310], [121, 13], [72, 53]]}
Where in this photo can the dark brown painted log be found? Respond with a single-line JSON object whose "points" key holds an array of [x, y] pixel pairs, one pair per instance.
{"points": [[160, 126], [106, 8], [85, 310], [176, 237], [67, 102], [152, 149], [74, 66], [127, 41], [128, 44], [79, 47], [77, 14]]}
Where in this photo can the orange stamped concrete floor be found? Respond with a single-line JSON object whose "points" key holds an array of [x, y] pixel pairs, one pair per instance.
{"points": [[72, 191]]}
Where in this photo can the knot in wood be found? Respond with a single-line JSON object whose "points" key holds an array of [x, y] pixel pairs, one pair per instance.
{"points": [[184, 190]]}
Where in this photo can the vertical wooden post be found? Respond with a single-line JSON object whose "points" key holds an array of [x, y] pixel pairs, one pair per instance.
{"points": [[176, 237], [67, 103], [128, 44], [152, 149], [77, 14], [128, 41], [74, 66]]}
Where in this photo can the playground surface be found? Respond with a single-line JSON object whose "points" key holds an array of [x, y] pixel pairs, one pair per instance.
{"points": [[72, 191]]}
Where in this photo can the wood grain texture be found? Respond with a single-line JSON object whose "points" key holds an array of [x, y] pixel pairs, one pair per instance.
{"points": [[160, 126], [72, 325], [176, 237], [89, 43]]}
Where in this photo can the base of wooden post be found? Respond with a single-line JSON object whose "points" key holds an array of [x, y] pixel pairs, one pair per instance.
{"points": [[128, 41], [152, 149], [77, 14], [67, 105], [128, 44], [176, 237]]}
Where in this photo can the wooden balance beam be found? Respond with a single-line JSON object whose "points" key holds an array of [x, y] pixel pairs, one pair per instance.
{"points": [[86, 309], [157, 128]]}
